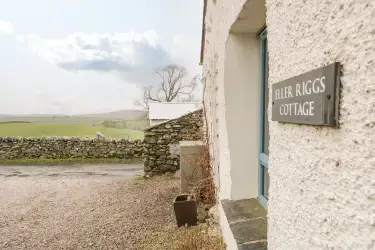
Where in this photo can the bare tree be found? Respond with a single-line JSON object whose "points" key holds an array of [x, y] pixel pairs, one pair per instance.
{"points": [[143, 103], [173, 87]]}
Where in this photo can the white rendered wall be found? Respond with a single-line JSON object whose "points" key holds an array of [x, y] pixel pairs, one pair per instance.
{"points": [[322, 192], [220, 19], [242, 102]]}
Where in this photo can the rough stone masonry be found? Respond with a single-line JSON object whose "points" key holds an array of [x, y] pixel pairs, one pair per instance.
{"points": [[161, 143], [69, 147]]}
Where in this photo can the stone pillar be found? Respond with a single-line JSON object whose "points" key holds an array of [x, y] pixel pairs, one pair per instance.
{"points": [[191, 172]]}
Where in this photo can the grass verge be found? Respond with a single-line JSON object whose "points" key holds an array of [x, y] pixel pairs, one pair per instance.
{"points": [[64, 129], [196, 238], [69, 161]]}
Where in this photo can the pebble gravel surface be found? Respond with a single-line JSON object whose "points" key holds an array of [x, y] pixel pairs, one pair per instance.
{"points": [[66, 210]]}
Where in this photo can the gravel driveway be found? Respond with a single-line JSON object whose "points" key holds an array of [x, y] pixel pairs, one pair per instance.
{"points": [[84, 207]]}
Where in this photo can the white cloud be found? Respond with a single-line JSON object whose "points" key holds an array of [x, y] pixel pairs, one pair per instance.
{"points": [[132, 55], [19, 38], [6, 27]]}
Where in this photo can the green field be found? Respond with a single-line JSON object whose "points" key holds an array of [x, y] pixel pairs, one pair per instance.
{"points": [[64, 129]]}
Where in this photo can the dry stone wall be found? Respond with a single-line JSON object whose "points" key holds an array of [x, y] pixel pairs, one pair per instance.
{"points": [[161, 143], [69, 147]]}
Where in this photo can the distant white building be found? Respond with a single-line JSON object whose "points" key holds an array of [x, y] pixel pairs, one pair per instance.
{"points": [[163, 111]]}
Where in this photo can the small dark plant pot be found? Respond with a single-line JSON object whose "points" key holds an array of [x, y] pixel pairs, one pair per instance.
{"points": [[185, 209]]}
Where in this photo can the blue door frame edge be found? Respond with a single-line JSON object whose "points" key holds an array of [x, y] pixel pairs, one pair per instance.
{"points": [[263, 158]]}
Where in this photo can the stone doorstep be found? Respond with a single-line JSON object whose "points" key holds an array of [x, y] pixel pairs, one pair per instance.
{"points": [[248, 221], [257, 245]]}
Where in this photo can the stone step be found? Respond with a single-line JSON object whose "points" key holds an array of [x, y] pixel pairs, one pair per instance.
{"points": [[249, 230], [248, 222], [243, 209], [262, 245]]}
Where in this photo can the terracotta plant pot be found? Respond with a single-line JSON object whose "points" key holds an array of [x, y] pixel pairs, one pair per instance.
{"points": [[185, 209]]}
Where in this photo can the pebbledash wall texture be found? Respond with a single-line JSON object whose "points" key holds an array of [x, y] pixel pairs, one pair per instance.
{"points": [[322, 191], [161, 142], [69, 147]]}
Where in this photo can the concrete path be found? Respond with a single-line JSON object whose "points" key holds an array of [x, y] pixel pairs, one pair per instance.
{"points": [[109, 171]]}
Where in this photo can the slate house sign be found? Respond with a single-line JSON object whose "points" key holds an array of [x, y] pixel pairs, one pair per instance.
{"points": [[311, 98]]}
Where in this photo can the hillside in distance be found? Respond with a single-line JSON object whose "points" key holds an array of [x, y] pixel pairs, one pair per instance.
{"points": [[126, 114]]}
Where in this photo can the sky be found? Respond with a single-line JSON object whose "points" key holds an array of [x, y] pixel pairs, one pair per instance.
{"points": [[75, 57]]}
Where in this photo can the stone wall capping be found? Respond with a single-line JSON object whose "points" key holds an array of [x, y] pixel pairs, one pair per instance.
{"points": [[167, 123]]}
